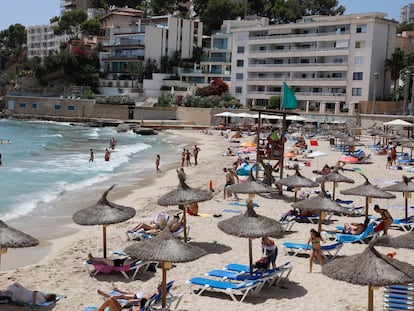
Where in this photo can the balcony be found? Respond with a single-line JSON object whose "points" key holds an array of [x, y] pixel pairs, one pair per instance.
{"points": [[301, 35]]}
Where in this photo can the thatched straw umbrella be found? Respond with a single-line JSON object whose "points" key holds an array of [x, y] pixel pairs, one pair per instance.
{"points": [[406, 186], [321, 203], [402, 241], [250, 186], [370, 268], [351, 142], [184, 195], [250, 225], [335, 178], [13, 238], [103, 213], [368, 191], [297, 181], [164, 248]]}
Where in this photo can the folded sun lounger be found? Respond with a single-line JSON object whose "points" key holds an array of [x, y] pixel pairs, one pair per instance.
{"points": [[327, 250]]}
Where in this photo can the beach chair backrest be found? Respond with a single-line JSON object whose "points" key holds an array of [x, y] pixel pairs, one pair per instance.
{"points": [[368, 230]]}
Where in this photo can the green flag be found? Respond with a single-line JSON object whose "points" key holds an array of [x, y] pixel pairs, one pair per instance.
{"points": [[289, 98]]}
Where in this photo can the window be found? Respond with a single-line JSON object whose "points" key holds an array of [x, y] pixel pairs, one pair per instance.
{"points": [[360, 44], [356, 91], [22, 105], [338, 60], [359, 60], [58, 107], [240, 63], [239, 76], [239, 90], [361, 28], [34, 106], [337, 75], [357, 76], [71, 108], [240, 49]]}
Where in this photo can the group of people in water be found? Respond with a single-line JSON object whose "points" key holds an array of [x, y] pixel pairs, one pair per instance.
{"points": [[107, 154], [187, 154]]}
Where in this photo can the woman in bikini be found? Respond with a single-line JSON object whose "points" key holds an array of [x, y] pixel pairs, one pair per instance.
{"points": [[385, 216], [269, 251], [315, 240]]}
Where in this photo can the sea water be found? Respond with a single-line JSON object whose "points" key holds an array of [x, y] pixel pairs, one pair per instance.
{"points": [[46, 160]]}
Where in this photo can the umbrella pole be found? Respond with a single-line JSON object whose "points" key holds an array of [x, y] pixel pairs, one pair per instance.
{"points": [[104, 240], [333, 190], [296, 194], [366, 207], [406, 206], [250, 256], [320, 222], [164, 285], [185, 222], [370, 298]]}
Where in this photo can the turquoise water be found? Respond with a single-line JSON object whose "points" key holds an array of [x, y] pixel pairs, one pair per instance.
{"points": [[48, 159]]}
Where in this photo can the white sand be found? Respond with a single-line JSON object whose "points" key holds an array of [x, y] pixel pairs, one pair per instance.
{"points": [[63, 271]]}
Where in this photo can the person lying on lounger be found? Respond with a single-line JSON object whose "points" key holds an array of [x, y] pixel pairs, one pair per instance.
{"points": [[353, 228], [135, 300], [19, 293], [160, 220], [113, 305], [121, 262], [175, 225]]}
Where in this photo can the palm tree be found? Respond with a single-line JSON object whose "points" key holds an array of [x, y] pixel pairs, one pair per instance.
{"points": [[395, 64]]}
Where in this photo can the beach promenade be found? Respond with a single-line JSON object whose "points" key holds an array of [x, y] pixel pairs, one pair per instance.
{"points": [[63, 270]]}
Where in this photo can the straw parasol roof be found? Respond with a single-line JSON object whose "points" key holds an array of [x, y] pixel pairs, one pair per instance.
{"points": [[164, 248], [409, 144], [183, 196], [250, 225], [402, 241], [406, 185], [350, 141], [335, 178], [296, 181], [249, 186], [103, 213], [321, 203], [13, 238], [370, 268], [368, 190]]}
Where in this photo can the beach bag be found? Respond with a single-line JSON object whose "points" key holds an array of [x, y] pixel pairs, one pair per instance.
{"points": [[260, 264], [192, 209]]}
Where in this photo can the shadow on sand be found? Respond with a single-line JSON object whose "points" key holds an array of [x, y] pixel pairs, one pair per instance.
{"points": [[212, 247]]}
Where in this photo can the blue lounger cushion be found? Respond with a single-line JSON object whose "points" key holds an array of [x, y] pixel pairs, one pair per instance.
{"points": [[221, 284]]}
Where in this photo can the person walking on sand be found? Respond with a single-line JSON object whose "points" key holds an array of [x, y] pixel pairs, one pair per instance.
{"points": [[389, 159], [157, 163], [393, 156], [386, 218], [183, 158], [315, 240], [91, 157], [196, 150], [107, 154], [187, 158], [231, 178]]}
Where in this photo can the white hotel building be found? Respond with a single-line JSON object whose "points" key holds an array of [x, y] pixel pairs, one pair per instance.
{"points": [[324, 59]]}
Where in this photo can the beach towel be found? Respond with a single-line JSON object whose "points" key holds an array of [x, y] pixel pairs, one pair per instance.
{"points": [[226, 210], [243, 204], [205, 215]]}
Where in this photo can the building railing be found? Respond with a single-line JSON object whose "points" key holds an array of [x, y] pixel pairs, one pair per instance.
{"points": [[300, 35], [300, 50], [294, 79], [299, 65], [298, 93]]}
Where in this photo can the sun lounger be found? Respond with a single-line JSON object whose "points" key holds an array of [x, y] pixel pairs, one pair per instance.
{"points": [[230, 288], [269, 276], [398, 297], [144, 235], [368, 233], [327, 250], [94, 268], [406, 225], [39, 305]]}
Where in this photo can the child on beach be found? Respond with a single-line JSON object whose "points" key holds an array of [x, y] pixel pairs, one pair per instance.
{"points": [[157, 163], [315, 240]]}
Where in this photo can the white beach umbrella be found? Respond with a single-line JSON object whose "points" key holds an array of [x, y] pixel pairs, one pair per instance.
{"points": [[226, 114], [295, 118]]}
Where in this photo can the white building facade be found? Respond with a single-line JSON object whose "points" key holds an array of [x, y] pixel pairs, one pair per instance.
{"points": [[41, 40], [407, 14], [326, 60]]}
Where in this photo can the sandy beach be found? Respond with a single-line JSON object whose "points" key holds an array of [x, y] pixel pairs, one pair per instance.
{"points": [[62, 270]]}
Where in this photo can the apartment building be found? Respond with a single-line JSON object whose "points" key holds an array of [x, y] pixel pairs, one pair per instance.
{"points": [[133, 38], [68, 5], [326, 60], [407, 14], [42, 41], [216, 62]]}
